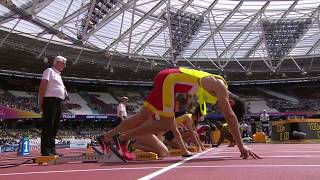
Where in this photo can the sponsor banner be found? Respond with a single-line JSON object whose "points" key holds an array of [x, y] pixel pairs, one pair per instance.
{"points": [[11, 113], [78, 145], [9, 148], [14, 148], [68, 116], [89, 117], [64, 145]]}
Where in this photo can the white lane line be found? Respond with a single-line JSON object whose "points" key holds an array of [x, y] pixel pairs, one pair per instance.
{"points": [[294, 156], [163, 170], [303, 151], [79, 170], [147, 168], [253, 166], [271, 152]]}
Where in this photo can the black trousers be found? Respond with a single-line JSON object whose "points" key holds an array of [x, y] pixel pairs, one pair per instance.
{"points": [[265, 129], [51, 120]]}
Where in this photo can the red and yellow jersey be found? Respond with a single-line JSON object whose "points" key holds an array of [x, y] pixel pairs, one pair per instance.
{"points": [[203, 95], [171, 81]]}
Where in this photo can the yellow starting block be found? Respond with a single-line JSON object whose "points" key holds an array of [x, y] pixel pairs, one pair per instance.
{"points": [[45, 159], [192, 149], [179, 152], [145, 156]]}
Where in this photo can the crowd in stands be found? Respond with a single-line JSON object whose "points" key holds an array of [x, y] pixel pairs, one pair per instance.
{"points": [[67, 105], [135, 102], [303, 105], [99, 105], [307, 95], [29, 103], [7, 138], [22, 103], [12, 136]]}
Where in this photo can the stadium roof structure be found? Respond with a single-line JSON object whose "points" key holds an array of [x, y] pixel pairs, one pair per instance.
{"points": [[255, 39]]}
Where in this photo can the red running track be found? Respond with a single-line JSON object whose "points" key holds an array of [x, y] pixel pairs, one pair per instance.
{"points": [[281, 161]]}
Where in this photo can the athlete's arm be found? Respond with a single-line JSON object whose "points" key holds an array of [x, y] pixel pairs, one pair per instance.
{"points": [[179, 139], [223, 102], [219, 89], [194, 134]]}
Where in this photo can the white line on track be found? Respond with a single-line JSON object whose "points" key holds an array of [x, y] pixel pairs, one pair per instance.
{"points": [[254, 166], [79, 170], [268, 152], [180, 167], [163, 170], [154, 167]]}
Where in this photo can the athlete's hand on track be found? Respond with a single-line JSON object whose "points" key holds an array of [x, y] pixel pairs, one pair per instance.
{"points": [[247, 152]]}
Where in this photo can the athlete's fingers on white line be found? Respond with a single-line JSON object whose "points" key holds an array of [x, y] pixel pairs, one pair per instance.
{"points": [[259, 157], [252, 154], [256, 156]]}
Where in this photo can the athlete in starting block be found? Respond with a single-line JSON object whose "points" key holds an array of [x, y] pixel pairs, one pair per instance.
{"points": [[224, 134], [157, 113], [187, 126]]}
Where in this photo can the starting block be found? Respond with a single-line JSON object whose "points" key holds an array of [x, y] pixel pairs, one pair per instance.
{"points": [[95, 158], [192, 149], [179, 152], [145, 156], [89, 157], [45, 159]]}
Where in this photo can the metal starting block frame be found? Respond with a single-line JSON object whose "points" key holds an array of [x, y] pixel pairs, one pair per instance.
{"points": [[95, 157]]}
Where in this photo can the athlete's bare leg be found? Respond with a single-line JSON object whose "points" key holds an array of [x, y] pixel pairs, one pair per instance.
{"points": [[151, 143], [149, 126], [129, 123], [152, 126]]}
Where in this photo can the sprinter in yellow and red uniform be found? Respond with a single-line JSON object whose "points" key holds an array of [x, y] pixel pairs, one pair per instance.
{"points": [[157, 114]]}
